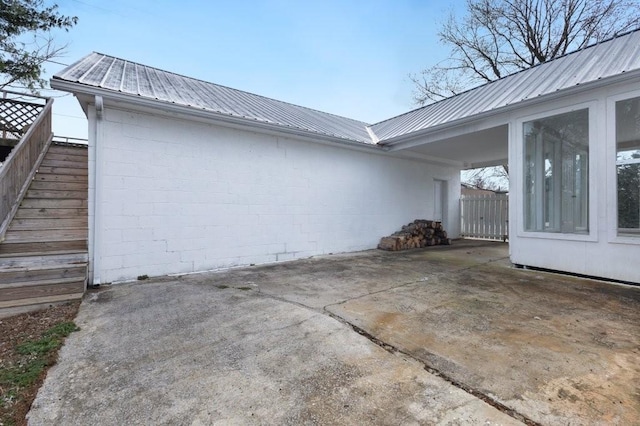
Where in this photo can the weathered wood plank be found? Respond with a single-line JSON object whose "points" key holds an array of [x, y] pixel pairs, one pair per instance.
{"points": [[42, 235], [14, 277], [9, 249], [44, 299], [68, 150], [62, 171], [39, 291], [41, 277], [19, 167], [67, 195], [44, 261], [24, 213], [60, 163], [38, 203], [57, 223], [48, 177], [59, 186], [66, 157]]}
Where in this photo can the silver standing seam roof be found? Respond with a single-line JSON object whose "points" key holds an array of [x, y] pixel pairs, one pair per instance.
{"points": [[606, 59], [99, 71]]}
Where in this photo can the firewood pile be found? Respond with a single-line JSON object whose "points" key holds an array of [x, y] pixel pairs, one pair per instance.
{"points": [[419, 233]]}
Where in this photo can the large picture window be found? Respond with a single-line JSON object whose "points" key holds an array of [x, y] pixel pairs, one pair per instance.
{"points": [[628, 165], [556, 173]]}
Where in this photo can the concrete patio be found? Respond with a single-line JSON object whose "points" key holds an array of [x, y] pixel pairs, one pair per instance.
{"points": [[444, 335]]}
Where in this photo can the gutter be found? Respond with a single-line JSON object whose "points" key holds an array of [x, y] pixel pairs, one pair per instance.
{"points": [[95, 231], [224, 119], [404, 141]]}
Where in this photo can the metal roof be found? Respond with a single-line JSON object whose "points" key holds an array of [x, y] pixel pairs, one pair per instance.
{"points": [[97, 70], [613, 57]]}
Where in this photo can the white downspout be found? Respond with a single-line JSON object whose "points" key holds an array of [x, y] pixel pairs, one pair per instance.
{"points": [[95, 201]]}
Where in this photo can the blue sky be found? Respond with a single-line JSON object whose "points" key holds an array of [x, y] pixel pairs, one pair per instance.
{"points": [[350, 58]]}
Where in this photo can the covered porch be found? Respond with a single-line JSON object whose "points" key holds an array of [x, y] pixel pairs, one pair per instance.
{"points": [[569, 131]]}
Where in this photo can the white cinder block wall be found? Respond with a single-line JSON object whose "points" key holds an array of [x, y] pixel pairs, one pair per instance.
{"points": [[177, 196]]}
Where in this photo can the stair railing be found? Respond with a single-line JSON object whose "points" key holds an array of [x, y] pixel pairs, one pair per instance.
{"points": [[21, 165]]}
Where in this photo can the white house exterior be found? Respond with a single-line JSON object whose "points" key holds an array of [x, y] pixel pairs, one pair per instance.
{"points": [[188, 176], [177, 195]]}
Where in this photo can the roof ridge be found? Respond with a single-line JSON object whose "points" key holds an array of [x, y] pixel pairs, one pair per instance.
{"points": [[365, 124], [597, 43]]}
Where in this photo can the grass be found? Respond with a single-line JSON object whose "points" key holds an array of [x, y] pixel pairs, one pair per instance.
{"points": [[27, 368]]}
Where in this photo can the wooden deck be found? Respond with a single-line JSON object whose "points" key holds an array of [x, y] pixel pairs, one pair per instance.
{"points": [[43, 258]]}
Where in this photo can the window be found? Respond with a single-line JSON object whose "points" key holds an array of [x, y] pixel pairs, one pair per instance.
{"points": [[628, 165], [556, 173]]}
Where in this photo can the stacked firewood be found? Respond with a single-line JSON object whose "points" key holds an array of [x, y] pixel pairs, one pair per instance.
{"points": [[419, 233]]}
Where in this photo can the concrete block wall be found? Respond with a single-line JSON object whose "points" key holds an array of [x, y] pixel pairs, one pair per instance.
{"points": [[179, 196]]}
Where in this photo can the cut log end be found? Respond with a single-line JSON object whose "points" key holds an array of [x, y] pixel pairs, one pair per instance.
{"points": [[418, 234]]}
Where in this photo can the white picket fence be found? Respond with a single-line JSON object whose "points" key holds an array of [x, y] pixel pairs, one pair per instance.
{"points": [[485, 216]]}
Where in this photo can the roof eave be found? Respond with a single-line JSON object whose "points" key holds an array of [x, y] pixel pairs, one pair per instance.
{"points": [[398, 142], [223, 119]]}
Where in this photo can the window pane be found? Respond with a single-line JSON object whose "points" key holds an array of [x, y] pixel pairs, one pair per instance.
{"points": [[556, 173], [628, 165]]}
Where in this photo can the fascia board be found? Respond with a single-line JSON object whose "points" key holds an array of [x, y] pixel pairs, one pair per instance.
{"points": [[409, 140], [211, 116]]}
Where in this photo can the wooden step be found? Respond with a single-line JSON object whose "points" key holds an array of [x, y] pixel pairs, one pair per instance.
{"points": [[47, 234], [18, 249], [15, 306], [40, 203], [63, 171], [46, 162], [68, 150], [58, 186], [66, 157], [44, 261], [70, 286], [43, 235], [43, 258], [16, 276], [48, 177], [50, 213], [68, 195], [57, 223]]}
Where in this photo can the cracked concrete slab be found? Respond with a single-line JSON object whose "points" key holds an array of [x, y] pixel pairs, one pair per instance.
{"points": [[304, 343], [180, 351]]}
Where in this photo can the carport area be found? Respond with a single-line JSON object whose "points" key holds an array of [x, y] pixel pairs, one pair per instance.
{"points": [[444, 335]]}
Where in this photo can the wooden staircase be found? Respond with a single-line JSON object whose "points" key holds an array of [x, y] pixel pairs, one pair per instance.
{"points": [[43, 258]]}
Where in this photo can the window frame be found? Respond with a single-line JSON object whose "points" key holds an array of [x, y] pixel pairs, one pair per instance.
{"points": [[612, 171], [592, 234]]}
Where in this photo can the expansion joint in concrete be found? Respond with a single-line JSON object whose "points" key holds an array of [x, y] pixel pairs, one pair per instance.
{"points": [[436, 372]]}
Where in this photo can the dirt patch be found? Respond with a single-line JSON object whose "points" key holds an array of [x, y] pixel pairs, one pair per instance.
{"points": [[15, 331]]}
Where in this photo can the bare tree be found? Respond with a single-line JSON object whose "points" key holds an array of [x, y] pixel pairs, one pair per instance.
{"points": [[492, 178], [498, 37]]}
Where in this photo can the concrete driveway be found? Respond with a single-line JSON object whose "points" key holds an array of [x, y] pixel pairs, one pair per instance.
{"points": [[445, 335]]}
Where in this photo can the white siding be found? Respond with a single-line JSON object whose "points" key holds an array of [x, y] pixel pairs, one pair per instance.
{"points": [[177, 196], [601, 253]]}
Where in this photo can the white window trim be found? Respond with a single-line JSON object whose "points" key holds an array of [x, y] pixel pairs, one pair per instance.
{"points": [[611, 170], [593, 195]]}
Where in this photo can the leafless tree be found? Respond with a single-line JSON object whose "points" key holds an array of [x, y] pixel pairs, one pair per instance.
{"points": [[498, 37], [493, 178]]}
